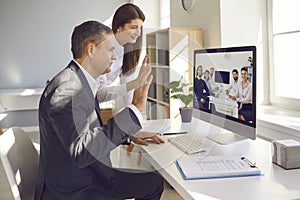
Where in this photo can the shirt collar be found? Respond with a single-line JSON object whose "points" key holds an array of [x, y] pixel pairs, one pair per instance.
{"points": [[93, 83]]}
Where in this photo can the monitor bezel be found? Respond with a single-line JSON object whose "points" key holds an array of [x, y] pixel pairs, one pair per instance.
{"points": [[228, 122]]}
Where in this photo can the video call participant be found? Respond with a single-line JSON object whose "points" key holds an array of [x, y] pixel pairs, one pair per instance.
{"points": [[201, 90], [244, 96], [232, 89], [214, 86], [208, 82]]}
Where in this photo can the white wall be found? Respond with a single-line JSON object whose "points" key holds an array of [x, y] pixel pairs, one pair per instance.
{"points": [[245, 23], [240, 22], [205, 14], [151, 10], [35, 37], [35, 44], [217, 60]]}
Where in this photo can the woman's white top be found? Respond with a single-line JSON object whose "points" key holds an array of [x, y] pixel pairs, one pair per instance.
{"points": [[94, 85], [244, 95]]}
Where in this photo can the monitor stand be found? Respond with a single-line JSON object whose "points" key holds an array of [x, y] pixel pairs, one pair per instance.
{"points": [[225, 138]]}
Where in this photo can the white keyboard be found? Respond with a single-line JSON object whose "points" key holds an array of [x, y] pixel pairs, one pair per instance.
{"points": [[187, 144]]}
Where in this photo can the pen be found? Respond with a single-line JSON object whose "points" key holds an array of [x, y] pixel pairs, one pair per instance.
{"points": [[174, 133], [252, 165]]}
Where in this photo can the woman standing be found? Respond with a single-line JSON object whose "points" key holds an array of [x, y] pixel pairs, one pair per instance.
{"points": [[127, 28]]}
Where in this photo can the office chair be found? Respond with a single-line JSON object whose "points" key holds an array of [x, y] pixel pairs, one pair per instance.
{"points": [[20, 161]]}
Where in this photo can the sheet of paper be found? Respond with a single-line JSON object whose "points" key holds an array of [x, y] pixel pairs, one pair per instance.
{"points": [[216, 166], [222, 165]]}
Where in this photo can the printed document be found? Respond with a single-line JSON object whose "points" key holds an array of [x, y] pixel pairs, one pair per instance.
{"points": [[216, 167]]}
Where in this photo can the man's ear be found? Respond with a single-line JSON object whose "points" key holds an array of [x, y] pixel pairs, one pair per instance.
{"points": [[90, 48]]}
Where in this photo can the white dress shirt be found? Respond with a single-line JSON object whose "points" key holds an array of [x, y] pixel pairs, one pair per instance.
{"points": [[108, 91], [244, 95], [113, 84], [94, 85], [233, 87]]}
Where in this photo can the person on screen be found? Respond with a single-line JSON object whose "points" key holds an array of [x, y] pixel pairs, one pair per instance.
{"points": [[232, 89], [212, 73], [75, 145], [244, 96], [127, 28], [212, 79], [209, 84], [201, 90]]}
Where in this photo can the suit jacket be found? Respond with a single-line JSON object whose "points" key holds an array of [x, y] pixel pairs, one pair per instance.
{"points": [[75, 149], [199, 86]]}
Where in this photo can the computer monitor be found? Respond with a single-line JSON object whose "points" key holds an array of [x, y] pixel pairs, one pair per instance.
{"points": [[228, 104]]}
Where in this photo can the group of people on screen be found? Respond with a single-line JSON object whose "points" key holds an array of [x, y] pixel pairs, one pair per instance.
{"points": [[239, 90]]}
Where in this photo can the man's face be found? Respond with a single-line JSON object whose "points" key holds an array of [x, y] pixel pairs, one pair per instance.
{"points": [[104, 55], [212, 71], [199, 72], [235, 76]]}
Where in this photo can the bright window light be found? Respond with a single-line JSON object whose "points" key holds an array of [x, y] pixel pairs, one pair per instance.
{"points": [[28, 92], [286, 49], [286, 65]]}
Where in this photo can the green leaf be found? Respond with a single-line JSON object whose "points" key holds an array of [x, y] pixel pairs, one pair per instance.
{"points": [[172, 85], [176, 96], [190, 98], [176, 90], [184, 99]]}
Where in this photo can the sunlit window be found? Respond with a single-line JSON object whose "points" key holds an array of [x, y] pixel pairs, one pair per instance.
{"points": [[286, 65], [286, 51]]}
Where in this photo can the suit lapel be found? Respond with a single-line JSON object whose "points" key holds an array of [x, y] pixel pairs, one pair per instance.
{"points": [[74, 67], [97, 108]]}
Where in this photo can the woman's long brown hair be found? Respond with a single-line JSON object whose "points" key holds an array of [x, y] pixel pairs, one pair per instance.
{"points": [[132, 52]]}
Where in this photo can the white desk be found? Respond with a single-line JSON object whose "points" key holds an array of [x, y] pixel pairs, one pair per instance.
{"points": [[276, 183], [225, 106]]}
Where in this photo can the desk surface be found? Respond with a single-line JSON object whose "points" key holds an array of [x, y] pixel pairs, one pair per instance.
{"points": [[276, 183]]}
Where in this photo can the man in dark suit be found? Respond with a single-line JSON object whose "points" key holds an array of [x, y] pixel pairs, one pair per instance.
{"points": [[201, 90], [75, 145]]}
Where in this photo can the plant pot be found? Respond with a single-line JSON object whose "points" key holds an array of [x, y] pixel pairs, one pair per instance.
{"points": [[186, 114]]}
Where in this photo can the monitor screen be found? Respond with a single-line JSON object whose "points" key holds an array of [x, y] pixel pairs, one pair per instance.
{"points": [[225, 88], [222, 77]]}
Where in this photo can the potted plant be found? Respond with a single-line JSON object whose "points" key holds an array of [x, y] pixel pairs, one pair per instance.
{"points": [[183, 92], [250, 60]]}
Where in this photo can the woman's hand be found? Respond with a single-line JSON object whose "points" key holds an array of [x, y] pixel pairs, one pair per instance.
{"points": [[143, 77], [144, 72], [140, 95]]}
